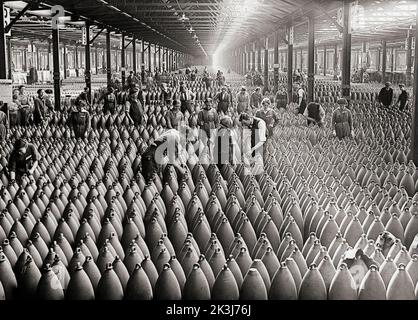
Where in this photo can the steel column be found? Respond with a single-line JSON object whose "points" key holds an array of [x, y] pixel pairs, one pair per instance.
{"points": [[149, 57], [384, 60], [9, 58], [108, 59], [336, 62], [346, 65], [311, 58], [266, 65], [87, 72], [413, 155], [123, 61], [276, 62], [409, 58], [56, 61], [325, 60], [259, 57], [289, 67], [134, 54], [65, 61], [3, 66]]}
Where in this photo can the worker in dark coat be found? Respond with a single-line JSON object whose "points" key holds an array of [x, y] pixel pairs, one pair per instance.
{"points": [[134, 108], [23, 160], [80, 121], [223, 98], [314, 114], [162, 153], [41, 110], [403, 98], [109, 99], [385, 95]]}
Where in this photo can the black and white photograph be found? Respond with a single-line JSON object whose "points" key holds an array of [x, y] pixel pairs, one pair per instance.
{"points": [[227, 151]]}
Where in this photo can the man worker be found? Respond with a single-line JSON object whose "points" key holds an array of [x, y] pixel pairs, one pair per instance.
{"points": [[315, 114], [134, 109], [109, 101], [385, 96], [80, 121], [187, 99], [23, 160], [223, 100], [162, 154], [256, 98], [174, 116], [25, 106], [403, 98], [208, 120]]}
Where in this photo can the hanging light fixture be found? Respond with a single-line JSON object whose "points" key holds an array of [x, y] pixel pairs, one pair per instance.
{"points": [[183, 18]]}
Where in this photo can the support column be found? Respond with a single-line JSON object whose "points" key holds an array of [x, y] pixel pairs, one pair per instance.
{"points": [[143, 56], [49, 54], [3, 66], [384, 60], [266, 65], [316, 60], [96, 60], [311, 60], [108, 59], [409, 59], [77, 66], [392, 59], [9, 58], [325, 60], [123, 61], [159, 59], [363, 60], [259, 57], [346, 65], [155, 56], [413, 154], [56, 61], [87, 57], [253, 62], [276, 62], [379, 61], [134, 54], [149, 57], [290, 65], [301, 60], [65, 61], [336, 62]]}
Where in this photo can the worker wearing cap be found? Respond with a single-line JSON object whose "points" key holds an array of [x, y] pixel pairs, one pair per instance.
{"points": [[174, 117], [342, 120], [80, 121], [109, 101], [133, 107], [23, 160], [226, 147], [243, 100], [403, 98], [268, 115], [385, 96], [162, 153], [253, 142], [208, 121]]}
